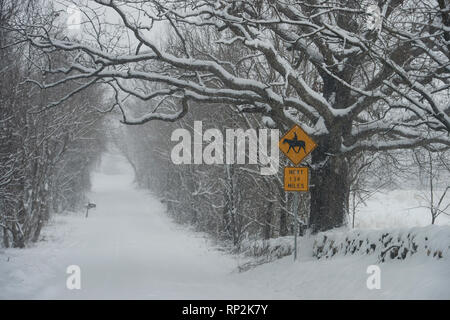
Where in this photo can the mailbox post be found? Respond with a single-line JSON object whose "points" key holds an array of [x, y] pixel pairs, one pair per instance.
{"points": [[89, 206]]}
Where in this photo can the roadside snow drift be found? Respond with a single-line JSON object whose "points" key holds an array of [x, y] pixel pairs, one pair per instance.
{"points": [[431, 241]]}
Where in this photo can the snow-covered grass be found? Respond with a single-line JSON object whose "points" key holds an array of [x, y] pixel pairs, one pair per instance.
{"points": [[129, 248], [23, 272]]}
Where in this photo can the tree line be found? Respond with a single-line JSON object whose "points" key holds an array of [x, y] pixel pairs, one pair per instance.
{"points": [[46, 154]]}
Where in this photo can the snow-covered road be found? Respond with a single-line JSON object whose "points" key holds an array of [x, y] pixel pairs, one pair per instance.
{"points": [[128, 248]]}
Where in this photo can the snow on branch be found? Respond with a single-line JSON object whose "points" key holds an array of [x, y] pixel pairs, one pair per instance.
{"points": [[317, 65]]}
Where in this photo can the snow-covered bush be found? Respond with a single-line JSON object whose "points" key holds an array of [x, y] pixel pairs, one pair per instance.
{"points": [[432, 241], [271, 249], [264, 251]]}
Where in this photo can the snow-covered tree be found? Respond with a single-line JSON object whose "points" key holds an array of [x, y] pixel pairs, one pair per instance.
{"points": [[352, 85], [45, 155]]}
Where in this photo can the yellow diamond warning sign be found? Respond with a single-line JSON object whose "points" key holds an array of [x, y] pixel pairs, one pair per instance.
{"points": [[296, 144], [296, 179]]}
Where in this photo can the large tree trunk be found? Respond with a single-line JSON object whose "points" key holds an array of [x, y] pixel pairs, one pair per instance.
{"points": [[5, 238], [37, 231], [329, 187], [18, 239], [267, 231], [283, 223]]}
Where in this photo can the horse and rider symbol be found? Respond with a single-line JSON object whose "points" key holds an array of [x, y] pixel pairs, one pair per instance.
{"points": [[294, 142]]}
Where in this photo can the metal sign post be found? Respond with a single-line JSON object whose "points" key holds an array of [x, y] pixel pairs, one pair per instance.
{"points": [[296, 145], [296, 180], [296, 200]]}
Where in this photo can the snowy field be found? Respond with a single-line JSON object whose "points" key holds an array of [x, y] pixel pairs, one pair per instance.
{"points": [[128, 248], [397, 209]]}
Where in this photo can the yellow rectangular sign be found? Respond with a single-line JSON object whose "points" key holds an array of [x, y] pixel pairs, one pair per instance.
{"points": [[296, 179]]}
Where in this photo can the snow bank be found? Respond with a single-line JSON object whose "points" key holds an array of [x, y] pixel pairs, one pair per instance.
{"points": [[432, 241], [388, 244]]}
